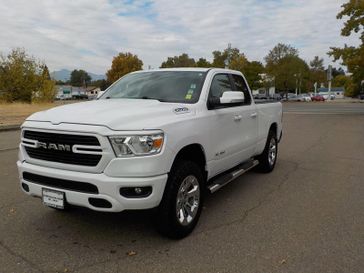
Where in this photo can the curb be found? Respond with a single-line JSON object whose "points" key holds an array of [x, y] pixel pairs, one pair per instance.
{"points": [[4, 128]]}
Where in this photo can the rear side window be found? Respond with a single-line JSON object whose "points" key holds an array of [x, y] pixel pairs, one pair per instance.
{"points": [[219, 85], [240, 85]]}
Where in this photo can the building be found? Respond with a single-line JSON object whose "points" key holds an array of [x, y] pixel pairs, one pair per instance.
{"points": [[92, 92], [338, 92], [67, 92]]}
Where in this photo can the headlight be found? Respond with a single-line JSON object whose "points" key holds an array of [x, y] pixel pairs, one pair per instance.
{"points": [[137, 145]]}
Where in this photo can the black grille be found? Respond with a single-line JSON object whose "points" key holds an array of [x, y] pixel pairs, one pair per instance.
{"points": [[67, 157], [60, 183]]}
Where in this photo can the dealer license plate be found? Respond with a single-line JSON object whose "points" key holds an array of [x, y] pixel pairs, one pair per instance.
{"points": [[52, 198]]}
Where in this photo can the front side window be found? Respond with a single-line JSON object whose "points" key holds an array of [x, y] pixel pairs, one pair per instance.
{"points": [[165, 86], [240, 85], [219, 85]]}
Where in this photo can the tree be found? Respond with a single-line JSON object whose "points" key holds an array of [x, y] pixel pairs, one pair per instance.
{"points": [[352, 57], [123, 64], [202, 62], [23, 78], [221, 58], [182, 60], [279, 52], [290, 73], [317, 64], [337, 71], [45, 73], [346, 82], [80, 78], [46, 91], [317, 72], [288, 69], [102, 84], [252, 73]]}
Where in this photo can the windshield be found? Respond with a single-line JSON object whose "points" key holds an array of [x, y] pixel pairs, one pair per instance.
{"points": [[165, 86]]}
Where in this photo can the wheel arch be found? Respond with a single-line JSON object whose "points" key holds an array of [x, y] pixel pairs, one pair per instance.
{"points": [[193, 152], [274, 128]]}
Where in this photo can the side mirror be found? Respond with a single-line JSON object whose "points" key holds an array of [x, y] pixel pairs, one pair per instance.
{"points": [[229, 97]]}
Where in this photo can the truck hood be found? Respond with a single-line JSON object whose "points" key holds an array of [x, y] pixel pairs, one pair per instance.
{"points": [[117, 114]]}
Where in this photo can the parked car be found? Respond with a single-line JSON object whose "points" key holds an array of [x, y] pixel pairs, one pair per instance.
{"points": [[303, 97], [260, 97], [276, 97], [154, 139], [292, 97], [318, 98]]}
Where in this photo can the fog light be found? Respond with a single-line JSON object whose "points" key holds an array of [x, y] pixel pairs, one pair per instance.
{"points": [[136, 192], [25, 187]]}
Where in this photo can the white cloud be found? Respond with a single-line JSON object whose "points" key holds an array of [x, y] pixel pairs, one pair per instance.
{"points": [[87, 34]]}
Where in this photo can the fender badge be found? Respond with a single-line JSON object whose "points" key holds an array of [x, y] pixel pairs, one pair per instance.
{"points": [[181, 110]]}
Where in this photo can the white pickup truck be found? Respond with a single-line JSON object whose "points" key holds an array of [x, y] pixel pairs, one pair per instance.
{"points": [[155, 139]]}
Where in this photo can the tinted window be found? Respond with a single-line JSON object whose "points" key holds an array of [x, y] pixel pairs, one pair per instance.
{"points": [[219, 85], [240, 85], [166, 86]]}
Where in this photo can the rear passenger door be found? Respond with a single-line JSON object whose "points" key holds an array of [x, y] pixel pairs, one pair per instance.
{"points": [[249, 119]]}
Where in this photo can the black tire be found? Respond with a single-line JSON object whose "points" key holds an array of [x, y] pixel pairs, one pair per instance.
{"points": [[167, 221], [266, 165]]}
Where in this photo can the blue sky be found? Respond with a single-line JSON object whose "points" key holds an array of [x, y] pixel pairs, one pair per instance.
{"points": [[87, 34]]}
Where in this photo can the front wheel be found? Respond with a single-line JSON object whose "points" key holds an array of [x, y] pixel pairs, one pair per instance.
{"points": [[180, 208], [268, 159]]}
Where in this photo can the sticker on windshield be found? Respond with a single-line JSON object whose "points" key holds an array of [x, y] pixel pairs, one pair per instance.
{"points": [[193, 86], [189, 94]]}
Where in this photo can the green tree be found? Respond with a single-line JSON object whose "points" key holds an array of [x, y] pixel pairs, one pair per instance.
{"points": [[45, 73], [317, 64], [287, 68], [337, 71], [290, 72], [202, 62], [253, 72], [279, 52], [123, 64], [80, 78], [351, 56], [226, 56], [182, 60], [102, 84], [317, 72], [346, 82], [22, 78], [46, 91], [237, 60]]}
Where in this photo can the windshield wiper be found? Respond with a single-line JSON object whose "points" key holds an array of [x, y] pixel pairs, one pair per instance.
{"points": [[150, 98]]}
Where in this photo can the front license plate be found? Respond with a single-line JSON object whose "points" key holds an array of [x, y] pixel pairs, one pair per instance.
{"points": [[52, 198]]}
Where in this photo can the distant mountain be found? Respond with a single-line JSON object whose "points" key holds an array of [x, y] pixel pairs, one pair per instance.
{"points": [[96, 77], [65, 75], [61, 75]]}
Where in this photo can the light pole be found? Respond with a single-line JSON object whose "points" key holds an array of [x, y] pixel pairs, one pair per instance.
{"points": [[329, 78]]}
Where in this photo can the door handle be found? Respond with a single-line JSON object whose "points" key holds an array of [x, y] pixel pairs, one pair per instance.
{"points": [[253, 115], [238, 117]]}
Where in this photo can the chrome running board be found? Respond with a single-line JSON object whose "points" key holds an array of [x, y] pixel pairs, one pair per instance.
{"points": [[224, 179]]}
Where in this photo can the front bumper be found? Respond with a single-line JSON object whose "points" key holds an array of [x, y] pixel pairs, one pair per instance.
{"points": [[108, 187]]}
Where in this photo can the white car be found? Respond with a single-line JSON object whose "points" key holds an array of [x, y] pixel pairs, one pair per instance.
{"points": [[154, 139], [304, 97]]}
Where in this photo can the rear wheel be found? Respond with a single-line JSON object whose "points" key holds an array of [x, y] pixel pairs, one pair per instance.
{"points": [[268, 159], [180, 208]]}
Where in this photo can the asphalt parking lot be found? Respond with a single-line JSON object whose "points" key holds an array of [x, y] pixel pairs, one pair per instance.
{"points": [[306, 216]]}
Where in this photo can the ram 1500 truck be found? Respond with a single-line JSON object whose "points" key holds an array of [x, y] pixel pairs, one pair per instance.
{"points": [[155, 139]]}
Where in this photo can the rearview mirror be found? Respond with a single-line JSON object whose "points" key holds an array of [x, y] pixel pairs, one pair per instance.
{"points": [[229, 97]]}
